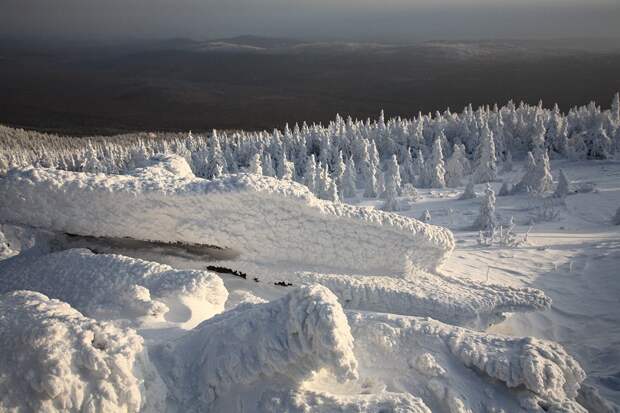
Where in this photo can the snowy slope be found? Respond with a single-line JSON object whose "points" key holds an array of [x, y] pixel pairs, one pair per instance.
{"points": [[55, 359], [113, 287], [259, 218]]}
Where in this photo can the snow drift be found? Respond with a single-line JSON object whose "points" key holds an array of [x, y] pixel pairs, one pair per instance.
{"points": [[457, 370], [445, 298], [287, 340], [53, 359], [260, 218], [110, 286]]}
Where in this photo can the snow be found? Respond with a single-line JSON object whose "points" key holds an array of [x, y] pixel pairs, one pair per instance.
{"points": [[290, 338], [63, 361], [355, 332], [443, 297], [458, 370], [260, 218], [113, 287]]}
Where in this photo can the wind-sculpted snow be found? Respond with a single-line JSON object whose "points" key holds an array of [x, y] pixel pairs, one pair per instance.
{"points": [[260, 218], [444, 298], [53, 359], [287, 339], [109, 286], [457, 370]]}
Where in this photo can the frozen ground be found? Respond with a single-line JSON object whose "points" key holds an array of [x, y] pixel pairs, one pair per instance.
{"points": [[312, 349]]}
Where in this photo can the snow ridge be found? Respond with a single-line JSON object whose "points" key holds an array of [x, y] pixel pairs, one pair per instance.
{"points": [[291, 337], [67, 362], [107, 286], [261, 218], [458, 370]]}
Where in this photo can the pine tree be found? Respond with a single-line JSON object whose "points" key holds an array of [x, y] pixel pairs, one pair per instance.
{"points": [[392, 185], [310, 174], [268, 169], [487, 221], [470, 192], [426, 216], [349, 189], [563, 188], [457, 166], [256, 166], [486, 162], [437, 169]]}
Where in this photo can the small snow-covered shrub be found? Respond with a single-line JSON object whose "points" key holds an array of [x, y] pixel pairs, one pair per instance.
{"points": [[585, 187], [543, 209]]}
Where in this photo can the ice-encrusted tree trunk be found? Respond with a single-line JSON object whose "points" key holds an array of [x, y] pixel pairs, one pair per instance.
{"points": [[563, 188], [256, 166], [349, 189], [486, 162], [437, 168], [487, 221]]}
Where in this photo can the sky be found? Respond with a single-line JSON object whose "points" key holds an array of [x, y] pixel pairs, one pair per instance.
{"points": [[363, 20]]}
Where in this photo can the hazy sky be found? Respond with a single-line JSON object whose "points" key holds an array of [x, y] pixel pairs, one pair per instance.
{"points": [[380, 20]]}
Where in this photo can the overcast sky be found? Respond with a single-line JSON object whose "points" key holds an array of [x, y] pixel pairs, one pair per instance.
{"points": [[380, 20]]}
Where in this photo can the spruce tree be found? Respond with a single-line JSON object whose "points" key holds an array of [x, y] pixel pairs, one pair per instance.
{"points": [[487, 221], [437, 169], [563, 188], [486, 162], [256, 166]]}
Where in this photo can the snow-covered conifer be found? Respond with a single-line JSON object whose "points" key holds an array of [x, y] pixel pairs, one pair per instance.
{"points": [[268, 169], [563, 187], [487, 221], [256, 166], [457, 166], [426, 216], [486, 161], [470, 192], [392, 185], [310, 174], [537, 177], [436, 168], [349, 189]]}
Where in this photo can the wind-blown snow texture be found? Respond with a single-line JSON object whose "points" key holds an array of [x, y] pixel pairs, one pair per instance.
{"points": [[291, 337], [442, 297], [458, 370], [53, 359], [262, 219], [112, 286]]}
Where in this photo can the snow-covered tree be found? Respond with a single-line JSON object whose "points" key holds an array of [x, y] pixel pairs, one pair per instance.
{"points": [[436, 167], [339, 168], [563, 188], [599, 141], [486, 161], [216, 163], [487, 221], [419, 169], [426, 216], [537, 177], [256, 166], [268, 169], [349, 189], [470, 192], [507, 167], [310, 174], [392, 185], [457, 166]]}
